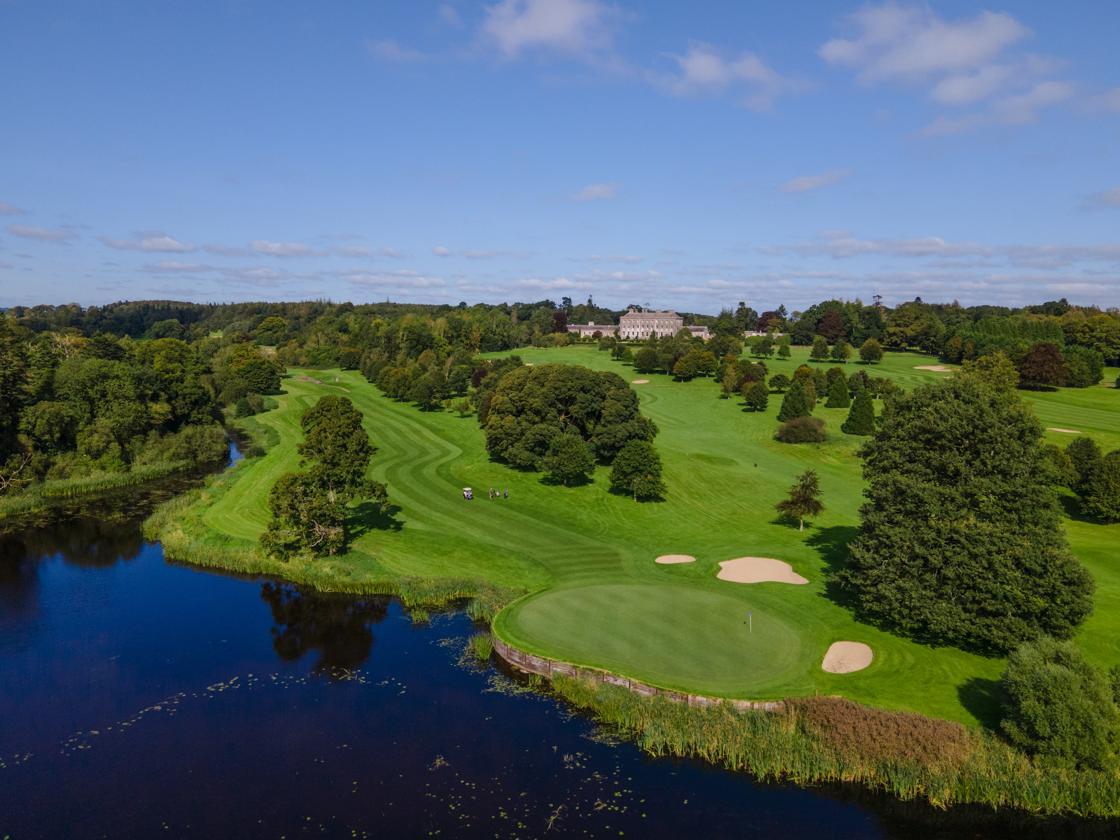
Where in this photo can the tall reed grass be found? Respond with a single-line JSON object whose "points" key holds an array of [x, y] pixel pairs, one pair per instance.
{"points": [[819, 740]]}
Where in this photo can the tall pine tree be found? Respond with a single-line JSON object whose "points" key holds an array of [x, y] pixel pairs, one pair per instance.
{"points": [[861, 417]]}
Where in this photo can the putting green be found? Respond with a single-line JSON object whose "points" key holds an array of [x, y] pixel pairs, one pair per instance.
{"points": [[673, 636]]}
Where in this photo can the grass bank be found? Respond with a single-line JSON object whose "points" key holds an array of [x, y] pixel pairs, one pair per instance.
{"points": [[821, 740], [47, 494]]}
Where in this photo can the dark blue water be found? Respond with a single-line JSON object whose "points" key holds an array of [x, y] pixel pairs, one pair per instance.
{"points": [[142, 699]]}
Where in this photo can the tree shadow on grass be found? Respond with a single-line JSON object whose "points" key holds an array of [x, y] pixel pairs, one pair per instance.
{"points": [[555, 482], [367, 517], [832, 545], [1071, 504], [984, 699]]}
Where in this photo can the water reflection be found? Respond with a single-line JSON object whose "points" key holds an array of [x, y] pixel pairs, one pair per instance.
{"points": [[337, 627]]}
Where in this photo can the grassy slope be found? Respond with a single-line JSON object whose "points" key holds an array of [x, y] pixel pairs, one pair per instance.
{"points": [[725, 474]]}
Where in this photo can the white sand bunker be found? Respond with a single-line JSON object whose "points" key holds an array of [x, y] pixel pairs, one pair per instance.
{"points": [[1063, 431], [934, 368], [669, 559], [758, 570], [845, 657], [640, 382]]}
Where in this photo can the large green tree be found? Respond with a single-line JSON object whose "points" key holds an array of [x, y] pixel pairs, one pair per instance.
{"points": [[798, 401], [803, 500], [568, 460], [1100, 493], [961, 539]]}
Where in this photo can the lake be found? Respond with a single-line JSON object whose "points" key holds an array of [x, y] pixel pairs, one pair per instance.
{"points": [[140, 698]]}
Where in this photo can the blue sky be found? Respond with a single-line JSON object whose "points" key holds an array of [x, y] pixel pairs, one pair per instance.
{"points": [[679, 154]]}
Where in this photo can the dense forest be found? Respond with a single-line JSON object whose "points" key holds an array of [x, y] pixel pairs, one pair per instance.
{"points": [[127, 387]]}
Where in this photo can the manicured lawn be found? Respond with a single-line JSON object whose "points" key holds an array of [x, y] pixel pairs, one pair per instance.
{"points": [[589, 554]]}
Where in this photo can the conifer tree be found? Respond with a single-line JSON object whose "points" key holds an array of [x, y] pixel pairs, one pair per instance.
{"points": [[838, 396], [796, 402], [803, 499], [861, 417]]}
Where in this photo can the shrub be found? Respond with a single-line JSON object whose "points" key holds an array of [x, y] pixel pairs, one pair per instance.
{"points": [[1059, 706], [802, 430]]}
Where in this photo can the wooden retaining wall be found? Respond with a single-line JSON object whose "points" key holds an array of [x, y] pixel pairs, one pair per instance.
{"points": [[545, 667]]}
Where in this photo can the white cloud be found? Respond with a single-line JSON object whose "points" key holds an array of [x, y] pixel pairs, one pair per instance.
{"points": [[553, 284], [225, 250], [703, 70], [1019, 109], [281, 249], [59, 234], [441, 251], [148, 241], [1107, 198], [367, 251], [967, 88], [575, 27], [596, 192], [10, 209], [389, 50], [393, 279], [911, 43], [1107, 101], [815, 182]]}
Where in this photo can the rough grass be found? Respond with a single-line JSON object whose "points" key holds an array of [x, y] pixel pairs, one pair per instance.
{"points": [[825, 740], [724, 472]]}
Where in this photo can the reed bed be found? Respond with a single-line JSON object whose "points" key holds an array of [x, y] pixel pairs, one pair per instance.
{"points": [[820, 740]]}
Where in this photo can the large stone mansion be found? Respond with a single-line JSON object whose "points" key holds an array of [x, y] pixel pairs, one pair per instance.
{"points": [[640, 324]]}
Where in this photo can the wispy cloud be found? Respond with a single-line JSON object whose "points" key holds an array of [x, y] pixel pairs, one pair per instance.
{"points": [[1105, 198], [806, 183], [174, 267], [42, 234], [449, 16], [282, 249], [367, 251], [704, 70], [441, 251], [596, 192], [148, 241], [10, 209], [580, 28]]}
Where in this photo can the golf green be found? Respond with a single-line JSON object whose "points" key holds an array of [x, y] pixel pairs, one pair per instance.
{"points": [[669, 635]]}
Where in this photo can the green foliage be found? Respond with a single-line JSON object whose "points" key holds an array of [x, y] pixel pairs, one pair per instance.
{"points": [[637, 471], [568, 460], [871, 352], [803, 500], [802, 430], [309, 509], [958, 491], [1101, 489], [1064, 471], [1060, 707], [798, 401], [838, 396], [841, 351], [530, 406], [1084, 454], [779, 382], [1084, 367], [819, 351], [995, 370], [756, 395], [645, 360], [861, 416], [241, 369]]}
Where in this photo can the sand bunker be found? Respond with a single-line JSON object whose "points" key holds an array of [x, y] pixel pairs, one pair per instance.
{"points": [[934, 368], [640, 382], [758, 570], [845, 657], [1063, 431], [669, 559]]}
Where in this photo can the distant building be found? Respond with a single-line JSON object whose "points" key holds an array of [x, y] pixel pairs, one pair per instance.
{"points": [[640, 324]]}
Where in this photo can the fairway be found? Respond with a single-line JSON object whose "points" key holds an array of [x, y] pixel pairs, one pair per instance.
{"points": [[668, 635], [601, 600]]}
